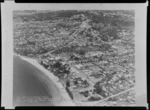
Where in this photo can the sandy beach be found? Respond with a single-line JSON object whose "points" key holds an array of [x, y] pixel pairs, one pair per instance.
{"points": [[66, 99]]}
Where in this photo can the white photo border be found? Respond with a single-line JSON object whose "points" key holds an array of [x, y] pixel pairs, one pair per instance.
{"points": [[7, 40]]}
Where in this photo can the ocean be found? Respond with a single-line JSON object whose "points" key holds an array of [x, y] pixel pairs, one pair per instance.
{"points": [[31, 87]]}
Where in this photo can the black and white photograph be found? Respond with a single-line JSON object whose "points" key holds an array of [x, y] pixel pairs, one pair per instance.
{"points": [[76, 56]]}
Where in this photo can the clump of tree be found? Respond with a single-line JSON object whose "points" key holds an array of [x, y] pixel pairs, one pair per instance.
{"points": [[60, 69], [112, 99], [81, 83], [63, 25], [104, 37], [45, 65], [98, 89], [104, 47], [80, 52], [67, 49], [69, 92], [92, 98], [85, 93], [73, 57]]}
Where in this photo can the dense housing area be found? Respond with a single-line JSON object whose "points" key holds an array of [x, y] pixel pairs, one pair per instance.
{"points": [[90, 51]]}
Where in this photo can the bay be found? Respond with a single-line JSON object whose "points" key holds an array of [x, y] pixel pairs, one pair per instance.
{"points": [[29, 82]]}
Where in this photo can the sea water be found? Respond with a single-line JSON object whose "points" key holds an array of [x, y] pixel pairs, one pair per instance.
{"points": [[30, 86]]}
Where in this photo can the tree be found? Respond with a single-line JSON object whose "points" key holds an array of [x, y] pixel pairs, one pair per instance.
{"points": [[104, 37], [60, 70], [85, 93], [75, 82], [98, 89], [81, 52], [57, 65], [94, 98], [68, 84]]}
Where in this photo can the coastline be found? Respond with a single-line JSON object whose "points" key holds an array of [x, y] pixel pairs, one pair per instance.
{"points": [[67, 100]]}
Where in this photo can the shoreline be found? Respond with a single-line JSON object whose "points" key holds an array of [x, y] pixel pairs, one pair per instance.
{"points": [[67, 100]]}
